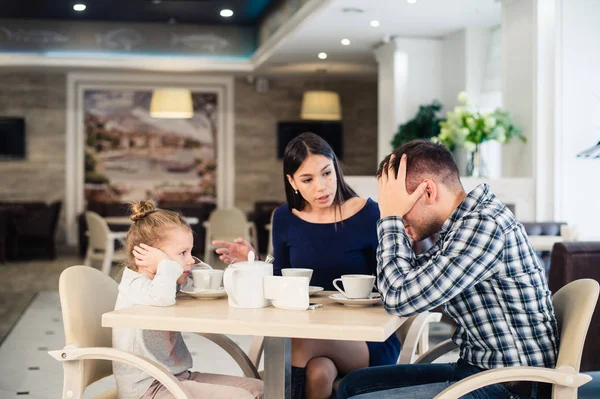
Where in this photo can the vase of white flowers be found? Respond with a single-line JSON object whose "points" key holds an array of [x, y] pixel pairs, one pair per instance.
{"points": [[476, 166], [467, 127]]}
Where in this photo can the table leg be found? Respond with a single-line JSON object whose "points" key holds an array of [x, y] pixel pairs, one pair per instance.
{"points": [[278, 368]]}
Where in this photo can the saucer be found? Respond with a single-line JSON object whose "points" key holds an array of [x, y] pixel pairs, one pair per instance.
{"points": [[339, 298], [206, 294], [313, 289]]}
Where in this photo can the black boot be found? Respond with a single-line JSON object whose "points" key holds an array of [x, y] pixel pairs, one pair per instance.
{"points": [[298, 382]]}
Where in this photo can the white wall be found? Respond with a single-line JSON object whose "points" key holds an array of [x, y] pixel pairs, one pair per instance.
{"points": [[424, 72], [454, 72], [409, 75], [579, 126], [518, 81], [471, 62]]}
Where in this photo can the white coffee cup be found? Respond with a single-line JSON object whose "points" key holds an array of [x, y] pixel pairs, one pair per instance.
{"points": [[287, 292], [207, 279], [356, 286], [297, 272]]}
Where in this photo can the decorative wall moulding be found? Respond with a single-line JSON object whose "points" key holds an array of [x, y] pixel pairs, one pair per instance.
{"points": [[68, 38]]}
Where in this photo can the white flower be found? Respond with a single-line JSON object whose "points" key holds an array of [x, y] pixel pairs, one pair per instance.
{"points": [[470, 146], [462, 97], [489, 122], [458, 111], [471, 123], [464, 132], [501, 134], [444, 133]]}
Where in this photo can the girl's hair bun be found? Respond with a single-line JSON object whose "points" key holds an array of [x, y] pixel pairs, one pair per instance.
{"points": [[141, 209]]}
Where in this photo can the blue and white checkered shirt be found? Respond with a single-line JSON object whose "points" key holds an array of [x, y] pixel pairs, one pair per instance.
{"points": [[486, 275]]}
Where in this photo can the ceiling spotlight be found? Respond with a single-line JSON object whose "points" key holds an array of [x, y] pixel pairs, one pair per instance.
{"points": [[226, 13], [79, 7], [346, 42], [156, 1], [374, 24], [322, 56], [411, 1]]}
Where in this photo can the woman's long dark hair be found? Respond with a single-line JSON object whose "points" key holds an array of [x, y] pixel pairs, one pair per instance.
{"points": [[295, 153]]}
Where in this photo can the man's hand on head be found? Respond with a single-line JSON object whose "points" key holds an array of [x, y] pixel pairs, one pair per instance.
{"points": [[393, 199]]}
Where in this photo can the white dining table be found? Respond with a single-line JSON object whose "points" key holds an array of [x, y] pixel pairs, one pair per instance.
{"points": [[333, 322], [125, 220]]}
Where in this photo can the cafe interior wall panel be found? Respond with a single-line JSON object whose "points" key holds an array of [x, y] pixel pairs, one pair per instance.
{"points": [[40, 97]]}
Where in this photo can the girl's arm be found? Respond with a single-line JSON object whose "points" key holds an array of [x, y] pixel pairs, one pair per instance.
{"points": [[159, 291]]}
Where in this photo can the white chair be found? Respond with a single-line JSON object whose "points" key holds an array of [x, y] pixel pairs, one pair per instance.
{"points": [[574, 305], [227, 224], [101, 242], [85, 295]]}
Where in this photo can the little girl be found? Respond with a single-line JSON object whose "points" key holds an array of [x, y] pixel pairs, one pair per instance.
{"points": [[159, 245]]}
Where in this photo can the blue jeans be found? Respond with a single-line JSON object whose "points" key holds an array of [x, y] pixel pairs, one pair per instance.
{"points": [[416, 381]]}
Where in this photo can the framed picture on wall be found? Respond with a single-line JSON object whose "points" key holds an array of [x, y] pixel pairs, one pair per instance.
{"points": [[130, 156]]}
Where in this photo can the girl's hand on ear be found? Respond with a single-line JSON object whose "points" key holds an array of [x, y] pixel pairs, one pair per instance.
{"points": [[147, 258]]}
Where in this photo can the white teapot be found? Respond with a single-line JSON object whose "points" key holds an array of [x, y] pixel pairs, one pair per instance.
{"points": [[243, 282]]}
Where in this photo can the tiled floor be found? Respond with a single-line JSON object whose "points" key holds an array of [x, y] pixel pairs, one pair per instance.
{"points": [[26, 369]]}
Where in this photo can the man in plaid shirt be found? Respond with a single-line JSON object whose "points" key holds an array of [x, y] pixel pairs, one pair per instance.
{"points": [[482, 270]]}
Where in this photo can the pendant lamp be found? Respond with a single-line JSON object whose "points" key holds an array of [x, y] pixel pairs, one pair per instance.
{"points": [[171, 103], [321, 105]]}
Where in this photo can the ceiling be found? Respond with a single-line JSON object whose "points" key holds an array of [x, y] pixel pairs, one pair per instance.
{"points": [[246, 12], [319, 27], [339, 19]]}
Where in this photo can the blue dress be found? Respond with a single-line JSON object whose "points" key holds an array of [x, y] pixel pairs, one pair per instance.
{"points": [[333, 249]]}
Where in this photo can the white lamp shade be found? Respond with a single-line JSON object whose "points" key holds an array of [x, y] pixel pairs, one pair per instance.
{"points": [[321, 105], [171, 104]]}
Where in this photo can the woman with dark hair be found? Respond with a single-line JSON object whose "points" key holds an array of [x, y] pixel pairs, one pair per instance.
{"points": [[326, 227]]}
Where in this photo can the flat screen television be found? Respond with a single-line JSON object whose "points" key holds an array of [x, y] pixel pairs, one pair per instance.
{"points": [[12, 138], [331, 132]]}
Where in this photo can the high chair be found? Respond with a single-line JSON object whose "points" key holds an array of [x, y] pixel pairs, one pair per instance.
{"points": [[85, 295]]}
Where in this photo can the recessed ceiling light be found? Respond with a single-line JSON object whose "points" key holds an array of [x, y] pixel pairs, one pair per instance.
{"points": [[79, 7], [156, 1], [411, 1], [346, 42], [322, 55], [374, 24], [226, 13]]}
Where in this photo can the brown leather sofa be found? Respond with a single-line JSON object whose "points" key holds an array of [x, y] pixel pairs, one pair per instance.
{"points": [[30, 228], [573, 261]]}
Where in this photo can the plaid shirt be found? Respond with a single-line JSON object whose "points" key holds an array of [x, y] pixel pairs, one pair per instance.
{"points": [[487, 277]]}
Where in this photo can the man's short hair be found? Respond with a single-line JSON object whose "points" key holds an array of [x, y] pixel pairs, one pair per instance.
{"points": [[425, 160]]}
